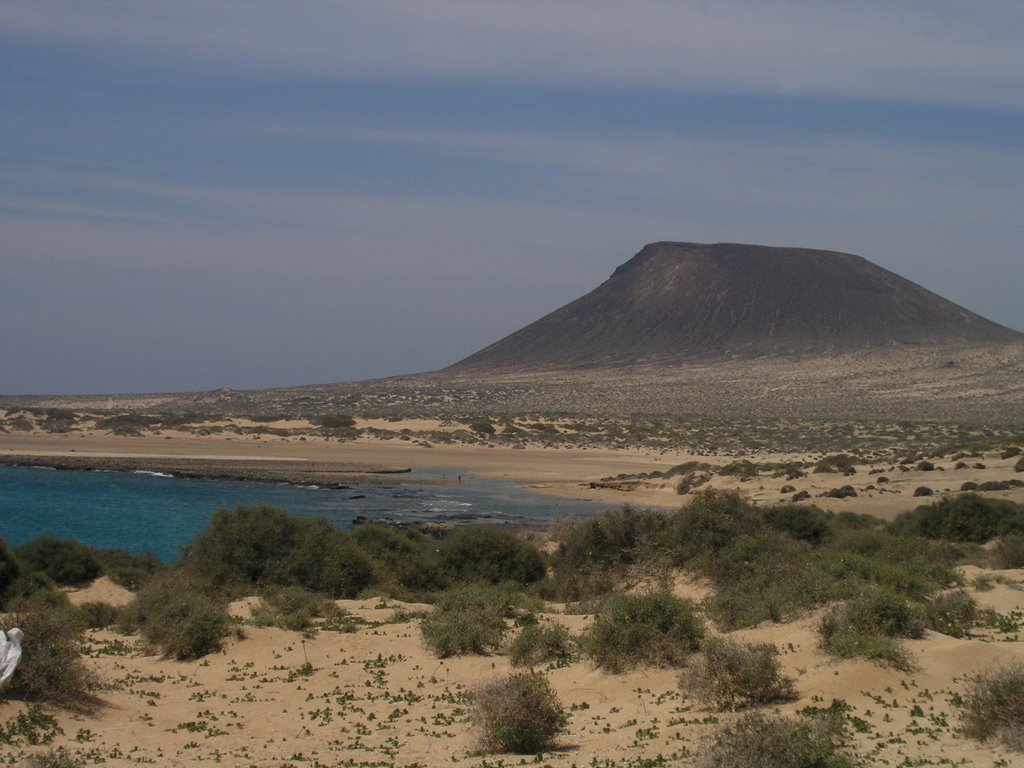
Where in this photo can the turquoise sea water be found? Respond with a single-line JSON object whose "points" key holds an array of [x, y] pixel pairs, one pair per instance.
{"points": [[144, 512]]}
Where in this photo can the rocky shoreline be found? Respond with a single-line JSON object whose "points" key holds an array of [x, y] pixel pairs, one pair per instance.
{"points": [[324, 474]]}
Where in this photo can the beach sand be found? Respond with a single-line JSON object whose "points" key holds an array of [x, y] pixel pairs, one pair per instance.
{"points": [[376, 697]]}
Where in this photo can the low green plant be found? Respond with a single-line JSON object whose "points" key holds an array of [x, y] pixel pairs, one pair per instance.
{"points": [[728, 675], [541, 643], [656, 629], [520, 713], [32, 725], [994, 706], [759, 741]]}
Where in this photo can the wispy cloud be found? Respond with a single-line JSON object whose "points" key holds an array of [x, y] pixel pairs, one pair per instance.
{"points": [[936, 51]]}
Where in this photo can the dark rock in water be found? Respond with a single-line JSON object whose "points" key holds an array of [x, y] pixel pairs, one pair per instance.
{"points": [[357, 496], [360, 520], [684, 301]]}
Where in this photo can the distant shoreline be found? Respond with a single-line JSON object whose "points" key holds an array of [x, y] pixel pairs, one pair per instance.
{"points": [[290, 471]]}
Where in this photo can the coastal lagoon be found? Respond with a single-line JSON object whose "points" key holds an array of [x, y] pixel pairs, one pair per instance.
{"points": [[150, 512]]}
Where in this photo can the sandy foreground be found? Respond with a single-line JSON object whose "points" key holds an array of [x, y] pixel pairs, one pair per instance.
{"points": [[376, 697]]}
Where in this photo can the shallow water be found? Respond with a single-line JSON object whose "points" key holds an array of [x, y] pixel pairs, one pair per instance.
{"points": [[147, 512]]}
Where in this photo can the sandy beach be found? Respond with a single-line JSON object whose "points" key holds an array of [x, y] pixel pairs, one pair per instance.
{"points": [[574, 472]]}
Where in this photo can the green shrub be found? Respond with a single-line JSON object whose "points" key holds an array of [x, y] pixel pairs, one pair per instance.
{"points": [[756, 741], [539, 643], [65, 561], [468, 620], [868, 626], [129, 570], [740, 468], [176, 617], [593, 554], [405, 560], [260, 546], [657, 629], [803, 522], [51, 667], [244, 546], [964, 517], [712, 521], [728, 675], [326, 560], [482, 427], [838, 462], [844, 492], [336, 421], [484, 553], [520, 714], [952, 613], [994, 706], [761, 578], [9, 571], [1009, 551]]}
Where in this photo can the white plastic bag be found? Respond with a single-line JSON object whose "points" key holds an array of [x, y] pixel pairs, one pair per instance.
{"points": [[10, 654]]}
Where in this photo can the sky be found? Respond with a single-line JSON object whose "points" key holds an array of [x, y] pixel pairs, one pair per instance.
{"points": [[257, 193]]}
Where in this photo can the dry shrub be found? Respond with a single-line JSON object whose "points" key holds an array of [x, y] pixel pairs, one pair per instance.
{"points": [[728, 675], [51, 667], [292, 608], [756, 741], [520, 713], [952, 613], [1009, 551], [994, 706]]}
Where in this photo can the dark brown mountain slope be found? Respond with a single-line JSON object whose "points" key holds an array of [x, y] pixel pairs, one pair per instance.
{"points": [[680, 301]]}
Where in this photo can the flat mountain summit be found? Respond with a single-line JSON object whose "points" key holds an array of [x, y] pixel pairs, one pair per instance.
{"points": [[674, 302]]}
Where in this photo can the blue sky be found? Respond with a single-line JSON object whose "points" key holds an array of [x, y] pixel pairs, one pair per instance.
{"points": [[277, 192]]}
